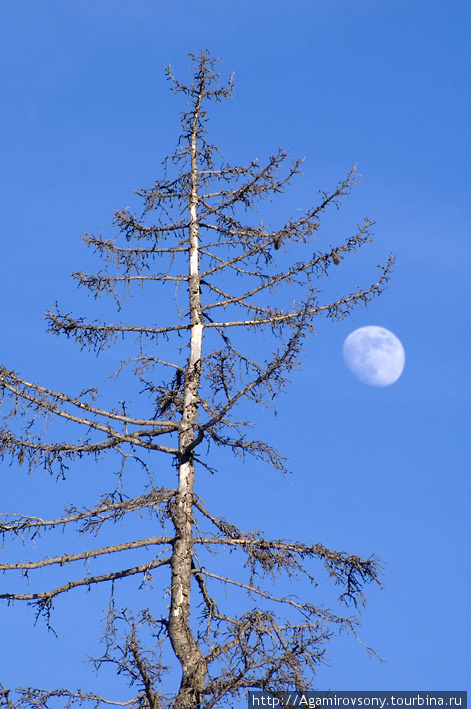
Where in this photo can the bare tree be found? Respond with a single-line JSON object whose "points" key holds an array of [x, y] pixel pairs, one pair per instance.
{"points": [[233, 278]]}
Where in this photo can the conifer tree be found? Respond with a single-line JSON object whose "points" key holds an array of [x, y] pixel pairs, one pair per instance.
{"points": [[246, 297]]}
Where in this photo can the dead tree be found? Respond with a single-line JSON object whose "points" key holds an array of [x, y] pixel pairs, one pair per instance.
{"points": [[235, 279]]}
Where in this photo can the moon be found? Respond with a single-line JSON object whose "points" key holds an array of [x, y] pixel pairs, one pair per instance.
{"points": [[374, 355]]}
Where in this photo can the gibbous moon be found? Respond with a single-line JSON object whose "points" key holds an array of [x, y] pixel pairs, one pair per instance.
{"points": [[374, 355]]}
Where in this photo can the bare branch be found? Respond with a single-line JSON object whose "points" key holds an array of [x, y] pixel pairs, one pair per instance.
{"points": [[88, 581], [19, 387], [106, 510], [83, 556]]}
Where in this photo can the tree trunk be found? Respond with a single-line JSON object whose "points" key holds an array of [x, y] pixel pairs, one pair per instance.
{"points": [[192, 661]]}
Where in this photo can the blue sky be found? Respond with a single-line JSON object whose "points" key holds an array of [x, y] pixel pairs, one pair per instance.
{"points": [[87, 117]]}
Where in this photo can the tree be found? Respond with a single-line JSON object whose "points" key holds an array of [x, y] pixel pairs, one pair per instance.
{"points": [[236, 276]]}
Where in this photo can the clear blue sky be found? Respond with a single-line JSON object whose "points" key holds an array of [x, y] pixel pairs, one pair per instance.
{"points": [[87, 117]]}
